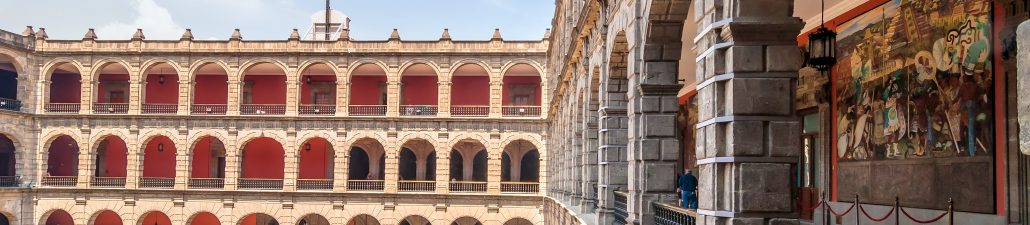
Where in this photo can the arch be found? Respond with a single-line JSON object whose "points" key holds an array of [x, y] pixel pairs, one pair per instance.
{"points": [[159, 156], [258, 219], [203, 218], [210, 86], [57, 217], [207, 154], [258, 61], [465, 137], [151, 63], [313, 219], [522, 84], [55, 64], [468, 161], [318, 82], [316, 159], [8, 156], [515, 62], [362, 62], [518, 221], [363, 219], [112, 86], [154, 218], [470, 89], [64, 86], [417, 160], [263, 87], [160, 86], [368, 82], [110, 155], [414, 220], [370, 152], [9, 69], [105, 217], [429, 63], [196, 66], [420, 81], [468, 62], [262, 158], [99, 66], [466, 220], [616, 81]]}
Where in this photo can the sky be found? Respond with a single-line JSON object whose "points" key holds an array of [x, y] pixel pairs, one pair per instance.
{"points": [[274, 19]]}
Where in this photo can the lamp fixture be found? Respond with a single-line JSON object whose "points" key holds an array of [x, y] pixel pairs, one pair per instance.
{"points": [[160, 147], [307, 79], [822, 45], [307, 147]]}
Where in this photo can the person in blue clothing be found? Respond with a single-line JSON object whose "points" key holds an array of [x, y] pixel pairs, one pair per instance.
{"points": [[687, 185]]}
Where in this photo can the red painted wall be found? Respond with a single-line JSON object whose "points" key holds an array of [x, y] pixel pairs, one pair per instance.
{"points": [[108, 217], [249, 220], [115, 159], [505, 100], [314, 163], [156, 218], [59, 217], [162, 93], [204, 218], [111, 78], [201, 162], [470, 90], [364, 90], [61, 158], [420, 90], [263, 158], [305, 89], [211, 89], [267, 89], [65, 88], [159, 163]]}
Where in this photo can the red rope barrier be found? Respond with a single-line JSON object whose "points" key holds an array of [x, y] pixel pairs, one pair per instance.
{"points": [[835, 212], [922, 221], [860, 208]]}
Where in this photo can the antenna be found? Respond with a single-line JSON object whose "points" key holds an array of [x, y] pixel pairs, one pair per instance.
{"points": [[327, 20]]}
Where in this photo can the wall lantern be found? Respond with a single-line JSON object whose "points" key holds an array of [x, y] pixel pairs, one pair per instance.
{"points": [[161, 79], [307, 147], [160, 147], [822, 47], [307, 79]]}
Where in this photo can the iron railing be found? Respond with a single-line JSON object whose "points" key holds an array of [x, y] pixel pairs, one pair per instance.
{"points": [[520, 111], [10, 104], [60, 181], [366, 110], [63, 107], [520, 187], [108, 182], [262, 109], [467, 186], [317, 110], [160, 108], [417, 185], [209, 109], [418, 110], [110, 108], [470, 111], [206, 183], [157, 182], [262, 184], [9, 181], [314, 184], [365, 185], [666, 214], [620, 213]]}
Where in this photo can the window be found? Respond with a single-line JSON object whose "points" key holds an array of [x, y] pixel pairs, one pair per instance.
{"points": [[808, 181], [522, 94]]}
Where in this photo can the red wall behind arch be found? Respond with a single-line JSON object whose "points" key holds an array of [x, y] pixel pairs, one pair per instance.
{"points": [[364, 90], [62, 157], [59, 217], [156, 218], [313, 163], [470, 90], [167, 93], [419, 90], [159, 163], [267, 89], [211, 89], [65, 88], [263, 159], [204, 218], [201, 162], [108, 217], [505, 100], [115, 158]]}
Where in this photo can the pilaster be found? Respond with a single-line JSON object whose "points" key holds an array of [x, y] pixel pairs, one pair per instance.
{"points": [[493, 170]]}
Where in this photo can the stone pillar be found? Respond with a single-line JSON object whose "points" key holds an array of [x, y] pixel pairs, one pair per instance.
{"points": [[341, 159], [86, 95], [589, 155], [390, 182], [342, 97], [182, 162], [185, 98], [85, 162], [232, 162], [493, 169], [136, 91], [393, 99], [443, 168], [444, 93], [292, 94], [233, 103], [134, 163], [747, 135], [496, 88], [1023, 86], [612, 139], [291, 162]]}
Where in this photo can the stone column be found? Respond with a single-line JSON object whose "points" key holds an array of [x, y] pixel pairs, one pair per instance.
{"points": [[444, 93], [589, 156], [185, 98], [391, 171], [747, 135], [443, 168], [136, 91], [1023, 86], [85, 162], [134, 163], [493, 169], [182, 161], [232, 162], [86, 95], [496, 97], [233, 100], [393, 99], [292, 92], [342, 97], [340, 160], [612, 139], [291, 162]]}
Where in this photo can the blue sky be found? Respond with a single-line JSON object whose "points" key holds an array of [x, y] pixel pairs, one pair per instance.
{"points": [[273, 19]]}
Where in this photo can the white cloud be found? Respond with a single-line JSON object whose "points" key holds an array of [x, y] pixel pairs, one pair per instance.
{"points": [[156, 22]]}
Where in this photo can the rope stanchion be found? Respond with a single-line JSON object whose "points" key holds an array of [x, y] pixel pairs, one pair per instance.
{"points": [[935, 219], [834, 212], [860, 208]]}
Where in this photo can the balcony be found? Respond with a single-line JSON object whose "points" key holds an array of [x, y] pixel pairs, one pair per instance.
{"points": [[417, 185], [206, 183], [261, 184], [108, 182], [59, 181], [470, 111], [263, 109], [520, 187], [325, 110], [314, 184], [157, 182], [520, 111], [157, 108], [365, 185], [468, 186], [110, 108], [367, 110], [620, 213], [62, 107], [209, 109], [418, 110], [9, 181], [666, 214], [10, 104]]}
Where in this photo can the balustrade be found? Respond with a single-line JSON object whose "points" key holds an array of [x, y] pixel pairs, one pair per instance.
{"points": [[59, 181], [470, 111], [317, 109], [9, 181], [209, 109], [263, 184], [108, 182], [157, 182], [418, 110], [160, 108], [262, 109], [620, 213], [666, 214], [110, 108], [520, 111], [314, 184], [365, 185], [62, 107], [10, 104], [367, 110], [417, 185], [468, 186], [206, 183], [520, 187]]}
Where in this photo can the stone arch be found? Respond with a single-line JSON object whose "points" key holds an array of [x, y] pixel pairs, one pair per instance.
{"points": [[197, 65], [149, 135], [98, 67], [417, 136], [411, 62], [361, 62], [415, 219], [514, 62], [49, 137], [242, 72], [258, 218], [374, 152], [61, 216], [154, 217], [533, 139], [162, 156], [274, 166], [466, 220], [151, 63], [363, 219], [377, 136], [311, 62], [518, 221], [48, 69], [468, 61], [196, 137], [18, 62], [95, 139], [316, 156], [203, 218], [17, 154], [469, 136], [243, 140], [106, 217], [313, 219]]}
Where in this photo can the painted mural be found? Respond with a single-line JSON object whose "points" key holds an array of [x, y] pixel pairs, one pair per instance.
{"points": [[914, 80]]}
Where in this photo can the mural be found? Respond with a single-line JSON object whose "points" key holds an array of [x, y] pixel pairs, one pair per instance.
{"points": [[914, 80]]}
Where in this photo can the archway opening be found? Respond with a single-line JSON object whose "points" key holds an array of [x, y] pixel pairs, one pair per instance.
{"points": [[158, 163], [161, 95], [470, 91], [262, 164], [318, 90], [207, 168], [59, 217], [468, 167], [9, 84], [521, 95], [258, 219], [263, 90], [313, 219], [363, 219], [112, 89], [521, 162], [466, 221], [367, 158], [65, 89], [155, 218], [210, 90], [204, 218], [414, 220], [368, 91], [106, 217], [417, 161], [8, 165], [62, 162], [316, 165], [110, 163], [518, 221], [419, 91]]}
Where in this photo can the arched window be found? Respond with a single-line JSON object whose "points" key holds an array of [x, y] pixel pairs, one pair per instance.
{"points": [[162, 90], [158, 163], [263, 90]]}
